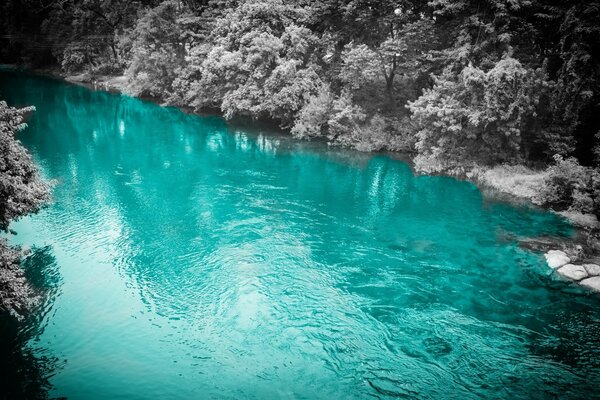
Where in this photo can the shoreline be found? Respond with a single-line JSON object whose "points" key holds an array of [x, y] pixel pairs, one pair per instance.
{"points": [[513, 183]]}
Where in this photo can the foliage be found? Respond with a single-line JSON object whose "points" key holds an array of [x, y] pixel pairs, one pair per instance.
{"points": [[261, 64], [479, 116], [85, 33], [22, 191], [407, 52], [16, 295], [596, 149], [576, 98], [73, 59], [158, 51], [472, 76], [344, 123], [571, 186], [313, 117]]}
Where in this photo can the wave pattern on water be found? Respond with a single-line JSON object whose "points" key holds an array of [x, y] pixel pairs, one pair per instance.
{"points": [[196, 260]]}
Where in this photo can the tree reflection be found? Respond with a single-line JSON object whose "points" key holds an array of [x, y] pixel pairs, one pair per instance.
{"points": [[26, 372]]}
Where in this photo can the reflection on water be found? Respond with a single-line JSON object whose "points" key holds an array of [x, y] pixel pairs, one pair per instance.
{"points": [[201, 260], [26, 371]]}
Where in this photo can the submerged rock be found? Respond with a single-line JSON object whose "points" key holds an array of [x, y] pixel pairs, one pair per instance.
{"points": [[591, 283], [574, 272], [540, 244], [592, 269], [556, 258]]}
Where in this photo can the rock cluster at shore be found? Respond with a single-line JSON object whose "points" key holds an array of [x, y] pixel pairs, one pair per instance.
{"points": [[586, 275]]}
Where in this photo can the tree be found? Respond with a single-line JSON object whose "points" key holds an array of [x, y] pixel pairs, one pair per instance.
{"points": [[158, 51], [22, 191], [571, 186], [407, 52], [84, 33], [576, 99], [479, 116], [262, 63]]}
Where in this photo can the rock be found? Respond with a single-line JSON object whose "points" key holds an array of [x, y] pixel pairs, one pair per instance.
{"points": [[591, 283], [556, 258], [592, 269], [535, 244], [575, 253], [574, 272]]}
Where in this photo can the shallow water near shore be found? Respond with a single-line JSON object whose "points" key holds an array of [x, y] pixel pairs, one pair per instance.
{"points": [[189, 258]]}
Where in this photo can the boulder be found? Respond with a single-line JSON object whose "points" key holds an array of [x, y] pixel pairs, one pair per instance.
{"points": [[572, 271], [556, 258], [575, 253], [591, 283], [592, 269]]}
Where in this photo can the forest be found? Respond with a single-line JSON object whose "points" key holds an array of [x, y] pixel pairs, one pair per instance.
{"points": [[456, 83]]}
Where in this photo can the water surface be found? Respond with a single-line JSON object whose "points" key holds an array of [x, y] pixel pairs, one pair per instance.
{"points": [[190, 258]]}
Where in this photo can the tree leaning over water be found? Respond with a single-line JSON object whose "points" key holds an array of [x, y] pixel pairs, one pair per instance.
{"points": [[22, 191]]}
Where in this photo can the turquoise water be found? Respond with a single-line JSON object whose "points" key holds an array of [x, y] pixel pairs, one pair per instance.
{"points": [[186, 258]]}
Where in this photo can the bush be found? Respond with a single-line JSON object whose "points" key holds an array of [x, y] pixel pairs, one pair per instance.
{"points": [[477, 116], [73, 60], [157, 52], [22, 190], [312, 118], [263, 63], [571, 186], [345, 121]]}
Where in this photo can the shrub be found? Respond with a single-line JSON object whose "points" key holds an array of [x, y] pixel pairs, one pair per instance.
{"points": [[481, 117], [345, 121], [157, 52], [571, 186], [263, 63], [73, 59], [312, 118]]}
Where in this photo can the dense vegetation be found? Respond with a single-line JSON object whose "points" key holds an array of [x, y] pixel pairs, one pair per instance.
{"points": [[458, 83], [22, 191]]}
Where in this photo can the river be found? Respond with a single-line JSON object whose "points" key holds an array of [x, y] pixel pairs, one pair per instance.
{"points": [[184, 257]]}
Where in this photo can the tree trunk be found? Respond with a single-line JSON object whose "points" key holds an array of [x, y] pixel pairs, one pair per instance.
{"points": [[113, 47], [389, 83]]}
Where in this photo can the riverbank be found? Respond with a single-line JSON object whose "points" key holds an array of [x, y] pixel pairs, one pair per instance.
{"points": [[576, 260], [514, 183]]}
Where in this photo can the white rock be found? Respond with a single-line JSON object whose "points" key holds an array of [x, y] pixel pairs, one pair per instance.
{"points": [[592, 269], [556, 258], [591, 283], [574, 272]]}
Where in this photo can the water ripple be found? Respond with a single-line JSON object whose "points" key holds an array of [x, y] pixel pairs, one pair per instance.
{"points": [[190, 260]]}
